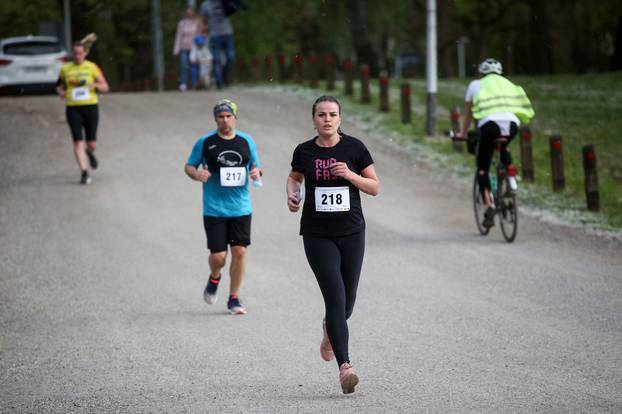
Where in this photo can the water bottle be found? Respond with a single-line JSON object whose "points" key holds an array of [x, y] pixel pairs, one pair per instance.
{"points": [[493, 182], [258, 183]]}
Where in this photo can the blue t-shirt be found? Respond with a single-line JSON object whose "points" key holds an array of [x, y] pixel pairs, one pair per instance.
{"points": [[216, 153]]}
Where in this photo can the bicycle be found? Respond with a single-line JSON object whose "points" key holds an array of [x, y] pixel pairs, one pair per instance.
{"points": [[502, 194]]}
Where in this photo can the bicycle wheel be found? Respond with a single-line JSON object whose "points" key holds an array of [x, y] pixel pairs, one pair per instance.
{"points": [[508, 214], [479, 208]]}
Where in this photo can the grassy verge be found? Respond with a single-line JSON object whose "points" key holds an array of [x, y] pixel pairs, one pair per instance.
{"points": [[583, 109]]}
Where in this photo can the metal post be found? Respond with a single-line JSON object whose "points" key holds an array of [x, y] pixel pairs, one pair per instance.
{"points": [[431, 68], [454, 118], [526, 155], [591, 178], [67, 13], [557, 163], [156, 40], [461, 59]]}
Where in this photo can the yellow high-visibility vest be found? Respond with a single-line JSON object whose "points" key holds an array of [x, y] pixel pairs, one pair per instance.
{"points": [[497, 94]]}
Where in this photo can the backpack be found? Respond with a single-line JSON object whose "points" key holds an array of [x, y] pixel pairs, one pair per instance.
{"points": [[231, 6]]}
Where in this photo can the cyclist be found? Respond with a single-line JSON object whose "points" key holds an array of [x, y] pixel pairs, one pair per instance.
{"points": [[498, 106], [228, 157], [78, 83], [334, 168]]}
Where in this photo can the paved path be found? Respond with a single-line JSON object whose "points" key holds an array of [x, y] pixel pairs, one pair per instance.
{"points": [[101, 286]]}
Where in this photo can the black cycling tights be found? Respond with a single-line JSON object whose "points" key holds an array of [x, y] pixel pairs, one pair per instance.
{"points": [[489, 131], [337, 264]]}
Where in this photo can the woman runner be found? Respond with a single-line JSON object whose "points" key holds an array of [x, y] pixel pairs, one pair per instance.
{"points": [[78, 84], [334, 167]]}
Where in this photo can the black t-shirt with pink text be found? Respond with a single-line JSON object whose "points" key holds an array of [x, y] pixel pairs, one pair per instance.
{"points": [[332, 206]]}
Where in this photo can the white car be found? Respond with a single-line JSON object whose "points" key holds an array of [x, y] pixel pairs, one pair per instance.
{"points": [[30, 63]]}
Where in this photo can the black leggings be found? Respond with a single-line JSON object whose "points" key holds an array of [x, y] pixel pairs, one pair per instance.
{"points": [[83, 116], [485, 148], [337, 264]]}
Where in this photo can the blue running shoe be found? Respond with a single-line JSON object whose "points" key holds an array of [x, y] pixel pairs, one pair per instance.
{"points": [[211, 290], [235, 306]]}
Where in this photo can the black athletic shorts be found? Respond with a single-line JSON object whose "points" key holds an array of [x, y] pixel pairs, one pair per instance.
{"points": [[221, 231], [83, 117]]}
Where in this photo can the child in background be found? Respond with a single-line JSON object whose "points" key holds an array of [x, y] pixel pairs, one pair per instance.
{"points": [[201, 60]]}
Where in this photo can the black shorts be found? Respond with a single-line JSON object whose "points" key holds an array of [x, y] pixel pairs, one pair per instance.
{"points": [[83, 117], [221, 231]]}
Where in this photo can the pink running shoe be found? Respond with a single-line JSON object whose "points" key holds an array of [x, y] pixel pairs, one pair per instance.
{"points": [[326, 350], [347, 378]]}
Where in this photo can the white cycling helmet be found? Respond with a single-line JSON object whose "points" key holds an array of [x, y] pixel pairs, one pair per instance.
{"points": [[490, 66]]}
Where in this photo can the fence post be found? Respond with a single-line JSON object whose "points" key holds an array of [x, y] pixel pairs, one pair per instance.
{"points": [[282, 71], [591, 178], [330, 72], [268, 68], [313, 70], [454, 118], [298, 67], [347, 74], [383, 82], [254, 69], [526, 155], [405, 100], [365, 97], [557, 162]]}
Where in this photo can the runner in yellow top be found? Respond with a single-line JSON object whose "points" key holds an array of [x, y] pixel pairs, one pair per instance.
{"points": [[78, 83]]}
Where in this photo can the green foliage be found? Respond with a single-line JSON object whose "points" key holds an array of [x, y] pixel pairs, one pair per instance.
{"points": [[528, 36], [21, 17], [582, 109]]}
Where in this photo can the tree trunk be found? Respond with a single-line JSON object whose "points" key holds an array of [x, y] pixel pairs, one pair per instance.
{"points": [[360, 35], [540, 39], [616, 59]]}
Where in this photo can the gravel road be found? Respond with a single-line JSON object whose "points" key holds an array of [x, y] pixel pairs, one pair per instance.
{"points": [[101, 286]]}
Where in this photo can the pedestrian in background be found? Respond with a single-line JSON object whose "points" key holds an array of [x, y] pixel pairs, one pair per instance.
{"points": [[222, 160], [201, 60], [220, 40], [187, 29], [78, 83], [334, 167]]}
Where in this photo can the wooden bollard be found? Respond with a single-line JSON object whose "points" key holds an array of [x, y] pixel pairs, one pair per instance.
{"points": [[557, 162], [268, 68], [282, 70], [454, 118], [313, 70], [383, 84], [254, 68], [298, 68], [240, 69], [170, 82], [330, 72], [365, 96], [526, 155], [591, 178], [405, 101], [347, 77]]}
